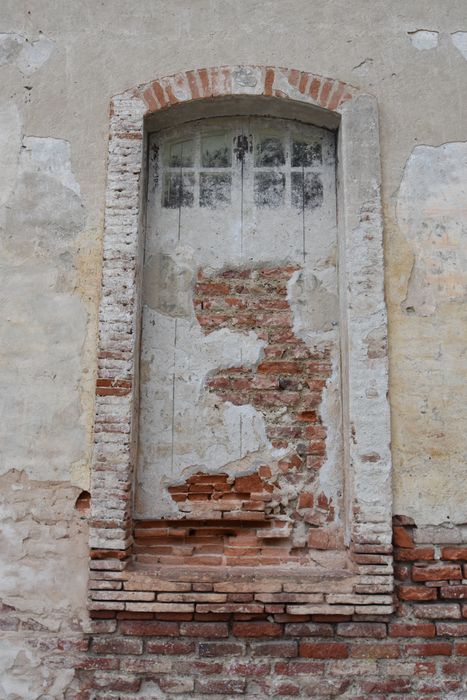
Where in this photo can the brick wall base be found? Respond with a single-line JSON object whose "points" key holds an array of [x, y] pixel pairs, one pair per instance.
{"points": [[419, 652]]}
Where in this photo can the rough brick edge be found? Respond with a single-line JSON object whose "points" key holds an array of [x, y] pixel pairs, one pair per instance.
{"points": [[116, 389]]}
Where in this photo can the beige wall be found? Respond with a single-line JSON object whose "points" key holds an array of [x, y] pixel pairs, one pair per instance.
{"points": [[59, 65]]}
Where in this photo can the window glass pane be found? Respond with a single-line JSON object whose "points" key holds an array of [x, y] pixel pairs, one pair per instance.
{"points": [[214, 189], [269, 189], [180, 154], [307, 190], [306, 154], [216, 151], [269, 151], [178, 190]]}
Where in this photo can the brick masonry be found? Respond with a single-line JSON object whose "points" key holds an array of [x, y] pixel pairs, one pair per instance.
{"points": [[419, 651], [162, 630]]}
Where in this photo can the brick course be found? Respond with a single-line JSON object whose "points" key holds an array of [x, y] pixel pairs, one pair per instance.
{"points": [[419, 651]]}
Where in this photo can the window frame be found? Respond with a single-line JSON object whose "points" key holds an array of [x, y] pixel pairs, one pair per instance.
{"points": [[285, 93]]}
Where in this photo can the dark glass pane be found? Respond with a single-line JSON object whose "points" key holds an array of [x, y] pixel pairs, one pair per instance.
{"points": [[216, 151], [306, 154], [307, 190], [178, 190], [269, 189], [214, 190], [180, 154], [269, 151]]}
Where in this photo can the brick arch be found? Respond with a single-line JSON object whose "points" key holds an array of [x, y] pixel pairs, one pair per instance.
{"points": [[226, 81]]}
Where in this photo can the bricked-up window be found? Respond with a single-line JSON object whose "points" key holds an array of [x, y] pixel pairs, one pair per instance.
{"points": [[240, 438], [246, 363]]}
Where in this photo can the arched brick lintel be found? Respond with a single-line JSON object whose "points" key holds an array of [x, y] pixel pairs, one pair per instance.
{"points": [[224, 81]]}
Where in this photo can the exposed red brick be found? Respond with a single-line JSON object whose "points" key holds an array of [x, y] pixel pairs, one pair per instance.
{"points": [[325, 90], [455, 553], [268, 81], [314, 88], [436, 572], [414, 554], [382, 650], [411, 629], [151, 628], [208, 630], [214, 649], [172, 646], [256, 629], [416, 593], [159, 93], [402, 537], [276, 649], [429, 649], [376, 630], [452, 629], [458, 592], [392, 685], [191, 77], [220, 687], [438, 611], [309, 629], [116, 645], [324, 650]]}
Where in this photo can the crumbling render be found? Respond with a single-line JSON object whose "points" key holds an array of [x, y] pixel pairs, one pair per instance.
{"points": [[269, 515]]}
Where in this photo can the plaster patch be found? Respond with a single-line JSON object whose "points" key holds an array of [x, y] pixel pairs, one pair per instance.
{"points": [[175, 408], [423, 39], [459, 39], [168, 282], [431, 215], [27, 55], [313, 300], [43, 321], [42, 535], [10, 142]]}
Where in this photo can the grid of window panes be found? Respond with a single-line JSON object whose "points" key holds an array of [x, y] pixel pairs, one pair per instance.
{"points": [[284, 168], [210, 156]]}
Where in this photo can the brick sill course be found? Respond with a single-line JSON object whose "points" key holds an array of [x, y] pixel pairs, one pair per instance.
{"points": [[221, 589]]}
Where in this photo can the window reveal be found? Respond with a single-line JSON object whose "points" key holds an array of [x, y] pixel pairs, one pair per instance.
{"points": [[240, 415]]}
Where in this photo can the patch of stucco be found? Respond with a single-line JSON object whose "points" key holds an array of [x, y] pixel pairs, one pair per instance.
{"points": [[43, 555], [10, 139], [459, 39], [27, 55], [423, 39], [431, 214], [428, 375], [43, 320]]}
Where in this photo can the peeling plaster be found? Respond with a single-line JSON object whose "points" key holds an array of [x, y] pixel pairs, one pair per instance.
{"points": [[423, 39], [44, 321], [214, 424], [431, 216], [10, 139], [183, 427], [43, 555], [459, 39], [27, 55]]}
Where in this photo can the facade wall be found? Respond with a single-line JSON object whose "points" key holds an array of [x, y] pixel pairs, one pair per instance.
{"points": [[60, 65]]}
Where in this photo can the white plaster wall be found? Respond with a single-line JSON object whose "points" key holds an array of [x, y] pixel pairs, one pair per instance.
{"points": [[59, 65]]}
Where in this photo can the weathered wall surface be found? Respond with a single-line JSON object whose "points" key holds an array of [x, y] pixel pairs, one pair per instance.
{"points": [[59, 66]]}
